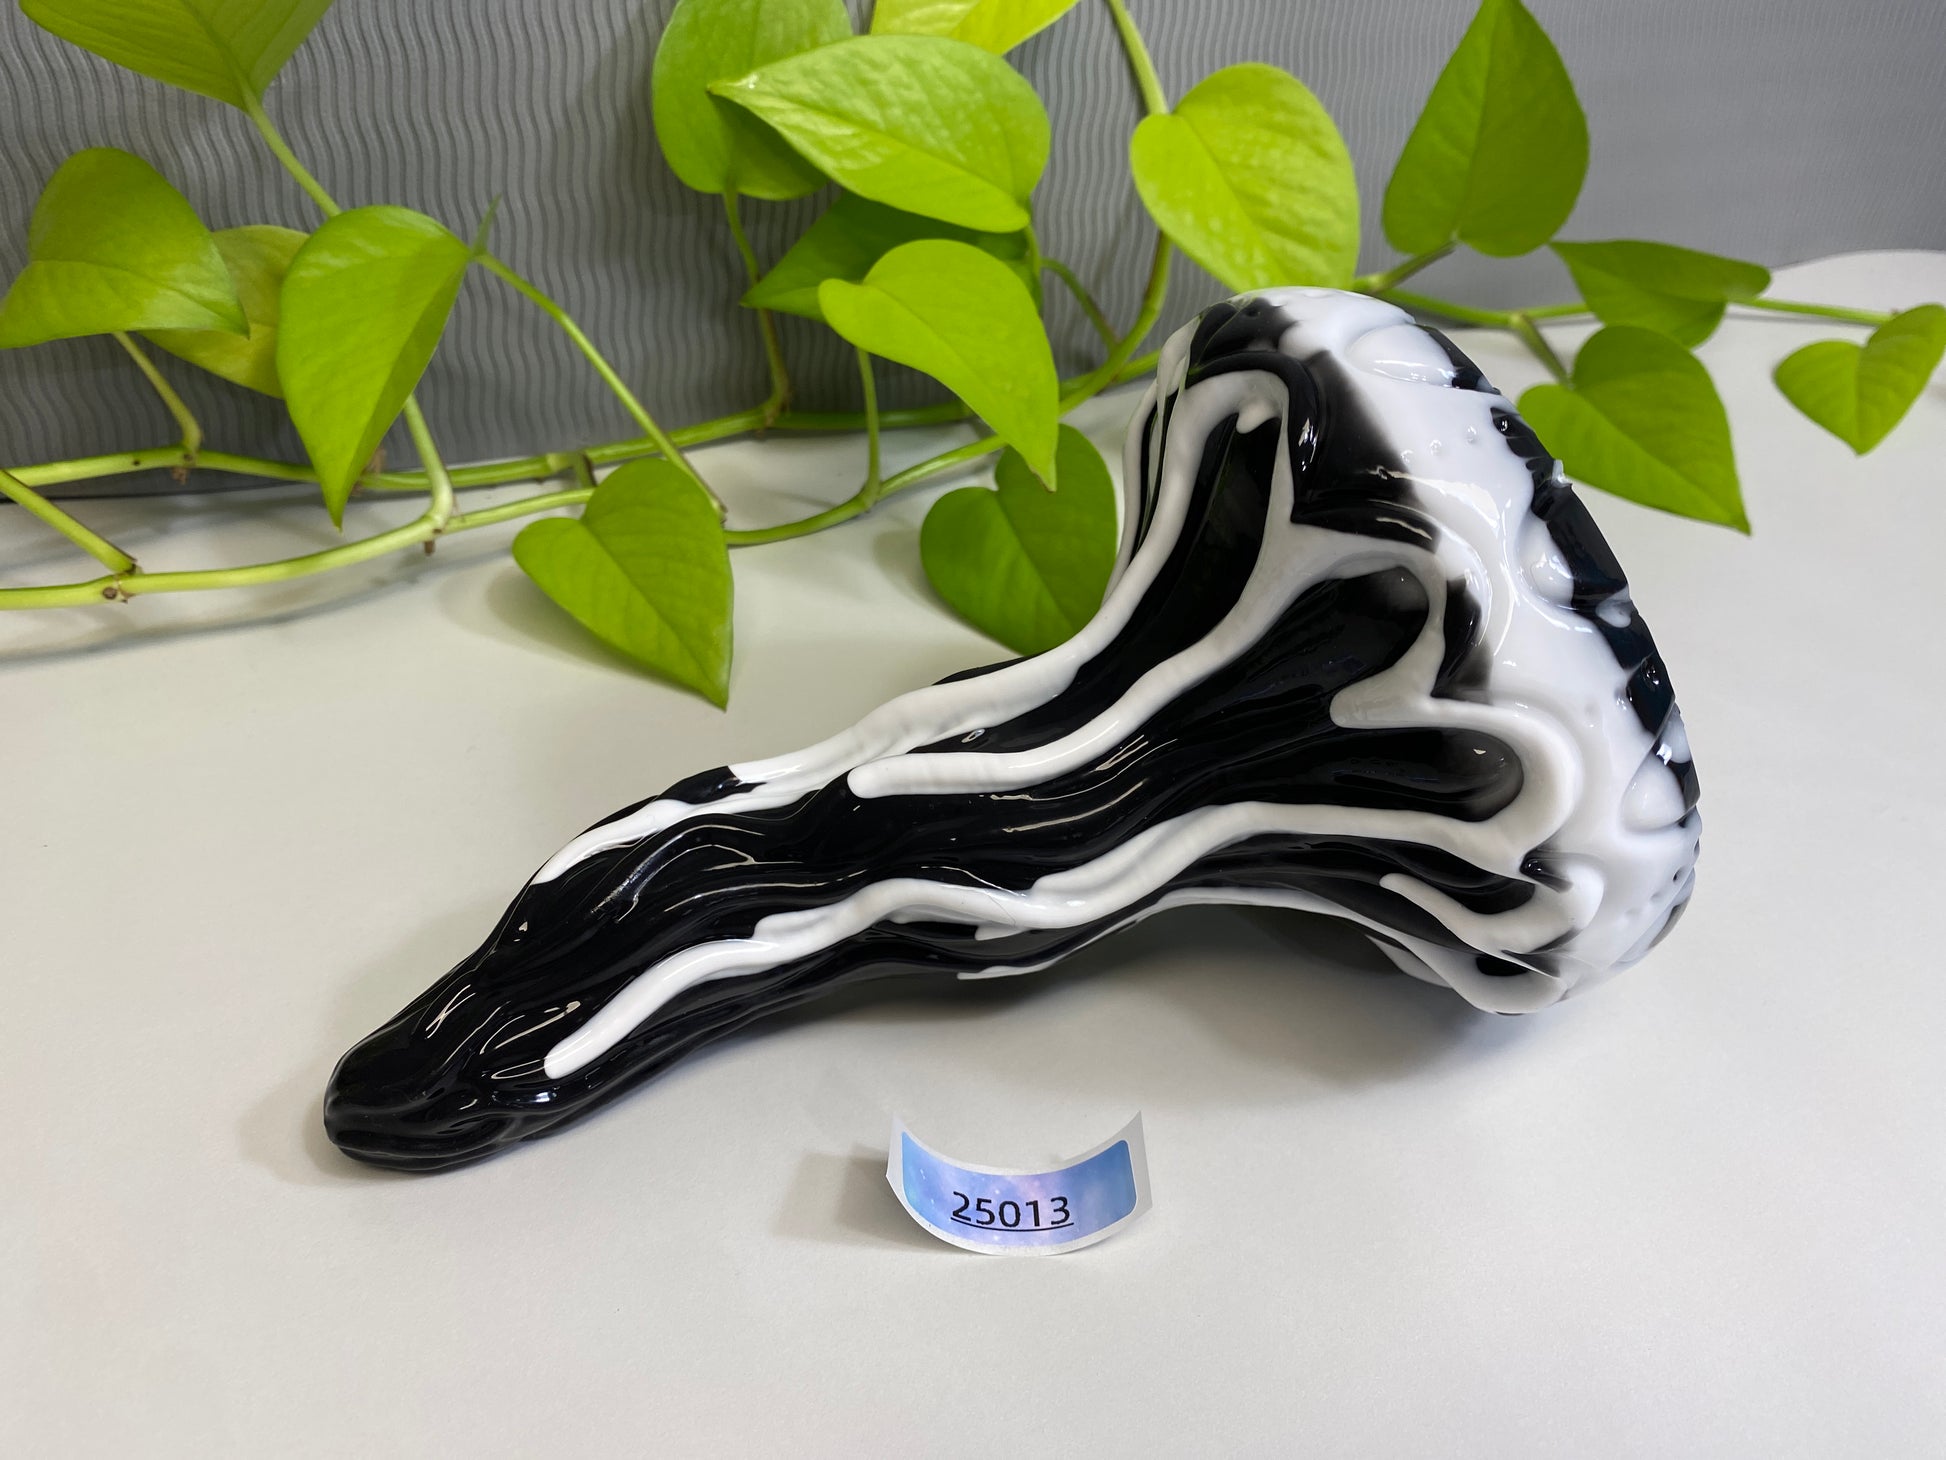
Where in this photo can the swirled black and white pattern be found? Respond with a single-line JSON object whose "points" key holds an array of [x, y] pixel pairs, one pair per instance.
{"points": [[1365, 654]]}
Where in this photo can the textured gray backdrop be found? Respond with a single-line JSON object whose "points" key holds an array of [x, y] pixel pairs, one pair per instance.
{"points": [[1773, 129]]}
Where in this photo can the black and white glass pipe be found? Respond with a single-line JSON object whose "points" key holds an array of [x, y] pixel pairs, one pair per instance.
{"points": [[1365, 654]]}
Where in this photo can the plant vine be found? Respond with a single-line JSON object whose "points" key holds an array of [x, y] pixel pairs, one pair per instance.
{"points": [[928, 257]]}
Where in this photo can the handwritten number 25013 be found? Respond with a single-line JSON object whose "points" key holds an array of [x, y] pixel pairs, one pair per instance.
{"points": [[985, 1212]]}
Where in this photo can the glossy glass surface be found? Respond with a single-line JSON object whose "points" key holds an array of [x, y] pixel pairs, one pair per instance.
{"points": [[1218, 735]]}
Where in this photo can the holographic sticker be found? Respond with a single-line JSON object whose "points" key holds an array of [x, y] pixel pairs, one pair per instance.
{"points": [[988, 1209]]}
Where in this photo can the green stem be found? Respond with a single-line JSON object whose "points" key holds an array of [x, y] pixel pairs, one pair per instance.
{"points": [[851, 507], [440, 509], [1447, 309], [1114, 367], [253, 466], [1399, 273], [933, 466], [1155, 101], [487, 474], [586, 346], [1559, 311], [1523, 326], [1819, 311], [130, 585], [780, 380], [1504, 318], [525, 507], [934, 415], [192, 433], [121, 463], [253, 107], [871, 490], [703, 432], [1082, 297], [1495, 319], [90, 542], [856, 505], [420, 530], [113, 464]]}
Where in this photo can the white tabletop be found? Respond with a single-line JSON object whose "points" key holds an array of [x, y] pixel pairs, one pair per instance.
{"points": [[1701, 1211]]}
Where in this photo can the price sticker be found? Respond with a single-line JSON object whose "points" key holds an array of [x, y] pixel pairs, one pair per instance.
{"points": [[989, 1209]]}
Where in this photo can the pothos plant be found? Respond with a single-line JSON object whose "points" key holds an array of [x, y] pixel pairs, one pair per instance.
{"points": [[931, 146]]}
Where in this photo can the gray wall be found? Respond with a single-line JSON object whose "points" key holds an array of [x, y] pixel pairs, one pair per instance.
{"points": [[1773, 129]]}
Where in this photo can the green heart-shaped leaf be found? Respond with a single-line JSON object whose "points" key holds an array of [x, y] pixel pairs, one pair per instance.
{"points": [[1497, 158], [364, 303], [1680, 292], [965, 319], [1859, 393], [113, 247], [1643, 420], [1021, 563], [646, 570], [1249, 177], [853, 234], [226, 49], [992, 25], [258, 257], [923, 123], [713, 146]]}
